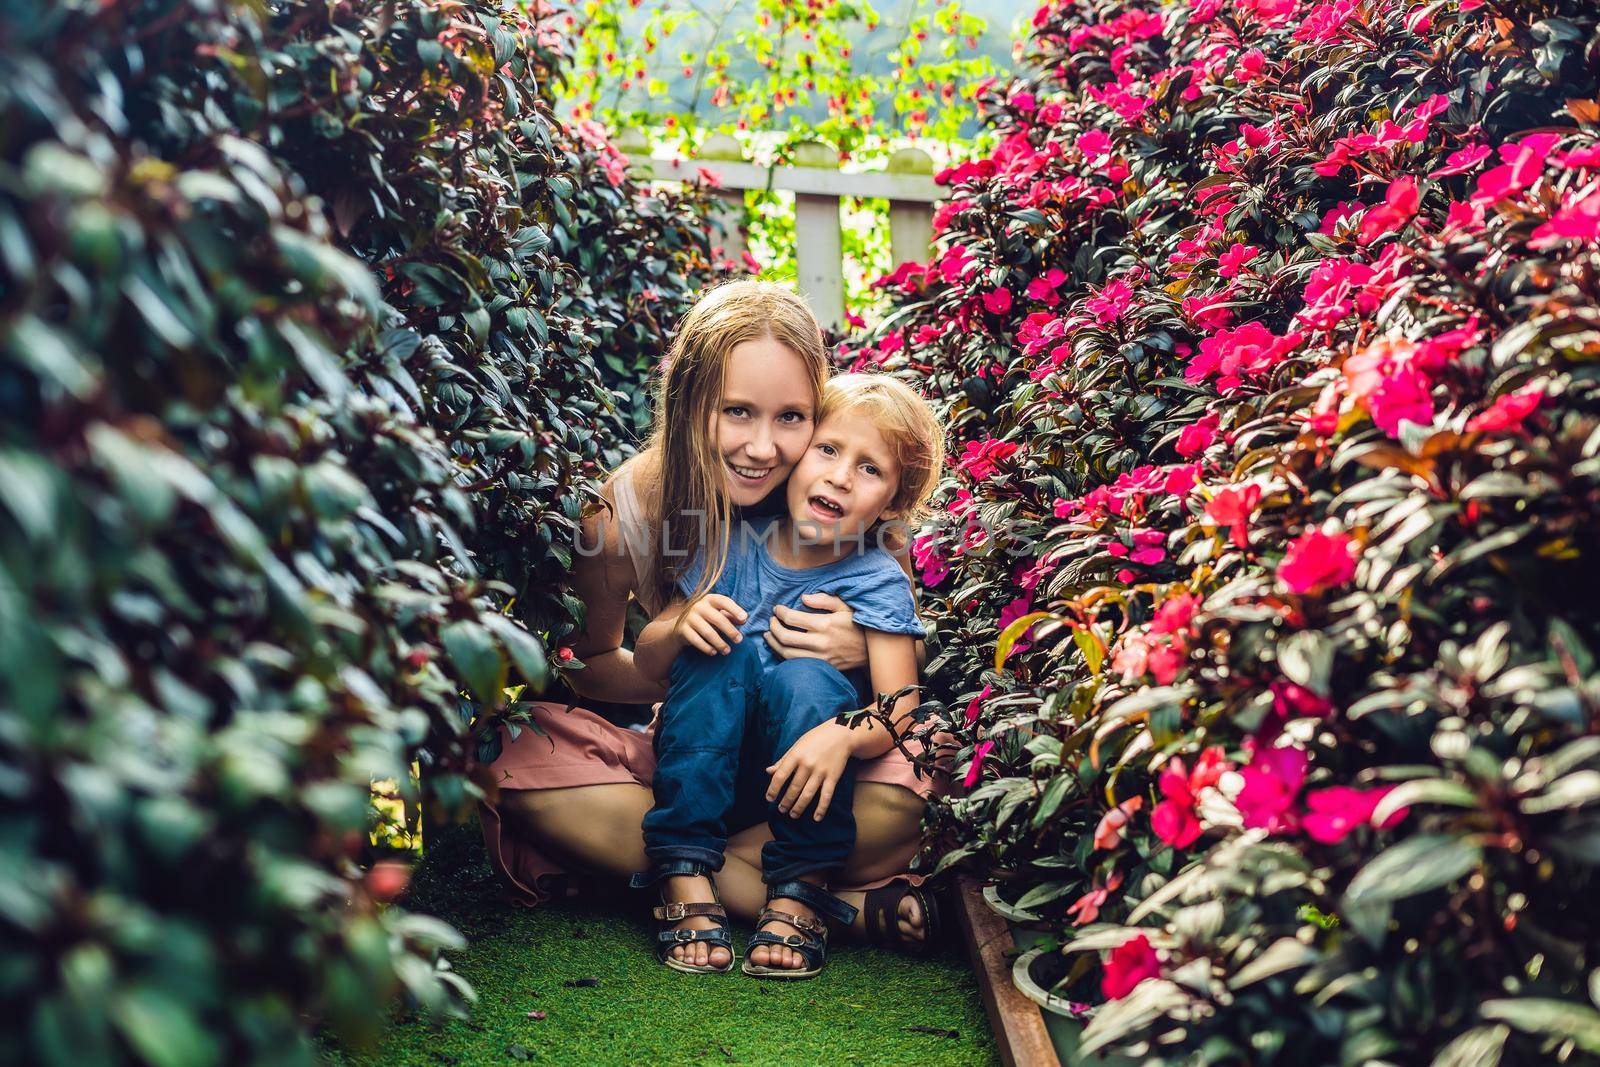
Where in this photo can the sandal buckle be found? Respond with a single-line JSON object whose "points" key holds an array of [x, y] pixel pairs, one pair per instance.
{"points": [[795, 941], [683, 935], [674, 912]]}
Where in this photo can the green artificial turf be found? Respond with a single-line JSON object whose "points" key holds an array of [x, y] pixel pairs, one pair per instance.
{"points": [[864, 1008]]}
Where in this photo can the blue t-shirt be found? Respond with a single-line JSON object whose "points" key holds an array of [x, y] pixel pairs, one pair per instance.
{"points": [[869, 580]]}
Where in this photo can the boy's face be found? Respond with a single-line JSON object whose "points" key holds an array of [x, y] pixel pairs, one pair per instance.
{"points": [[845, 480]]}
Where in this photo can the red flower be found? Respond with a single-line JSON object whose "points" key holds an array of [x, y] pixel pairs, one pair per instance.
{"points": [[1196, 437], [1232, 507], [1400, 203], [1129, 964], [1463, 159], [1233, 356], [1110, 302], [1508, 412], [1316, 562], [1175, 615]]}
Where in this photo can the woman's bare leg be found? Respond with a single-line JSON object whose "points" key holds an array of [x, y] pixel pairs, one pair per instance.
{"points": [[888, 834], [596, 829]]}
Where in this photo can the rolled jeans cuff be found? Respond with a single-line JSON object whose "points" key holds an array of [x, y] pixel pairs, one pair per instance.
{"points": [[712, 858]]}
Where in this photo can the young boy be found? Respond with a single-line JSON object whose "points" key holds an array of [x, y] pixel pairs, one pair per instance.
{"points": [[733, 708]]}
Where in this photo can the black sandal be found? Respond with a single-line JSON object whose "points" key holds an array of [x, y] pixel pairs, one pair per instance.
{"points": [[882, 916], [812, 940], [669, 937]]}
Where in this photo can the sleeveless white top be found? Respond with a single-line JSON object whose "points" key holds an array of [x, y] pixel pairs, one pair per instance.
{"points": [[637, 538]]}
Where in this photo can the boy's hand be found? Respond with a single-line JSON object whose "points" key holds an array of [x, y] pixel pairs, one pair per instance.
{"points": [[810, 770], [711, 623]]}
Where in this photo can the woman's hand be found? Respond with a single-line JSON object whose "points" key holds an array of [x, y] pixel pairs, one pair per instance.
{"points": [[811, 770], [827, 632]]}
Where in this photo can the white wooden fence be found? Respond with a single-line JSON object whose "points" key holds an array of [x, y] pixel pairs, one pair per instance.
{"points": [[817, 184]]}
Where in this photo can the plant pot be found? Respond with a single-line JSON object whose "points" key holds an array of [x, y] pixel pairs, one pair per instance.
{"points": [[1022, 976], [1009, 912]]}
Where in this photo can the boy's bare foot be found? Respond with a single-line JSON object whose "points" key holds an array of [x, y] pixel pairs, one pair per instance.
{"points": [[691, 889]]}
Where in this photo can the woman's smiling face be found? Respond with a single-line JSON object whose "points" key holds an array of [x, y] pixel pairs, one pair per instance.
{"points": [[765, 419]]}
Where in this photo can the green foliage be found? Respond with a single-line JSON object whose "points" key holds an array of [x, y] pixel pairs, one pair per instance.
{"points": [[298, 416]]}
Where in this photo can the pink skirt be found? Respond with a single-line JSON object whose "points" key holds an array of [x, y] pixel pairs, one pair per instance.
{"points": [[577, 748]]}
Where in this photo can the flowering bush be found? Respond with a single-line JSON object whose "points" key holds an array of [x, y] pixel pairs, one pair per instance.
{"points": [[1268, 335]]}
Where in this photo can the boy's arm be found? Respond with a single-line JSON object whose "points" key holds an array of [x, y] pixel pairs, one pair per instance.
{"points": [[892, 665], [659, 643]]}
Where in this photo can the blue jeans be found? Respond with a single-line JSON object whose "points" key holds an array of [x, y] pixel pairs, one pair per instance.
{"points": [[725, 720]]}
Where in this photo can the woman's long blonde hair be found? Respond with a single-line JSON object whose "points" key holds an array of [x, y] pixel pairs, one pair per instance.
{"points": [[680, 471]]}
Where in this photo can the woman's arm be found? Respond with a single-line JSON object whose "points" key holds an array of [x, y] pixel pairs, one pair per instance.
{"points": [[602, 579], [892, 659]]}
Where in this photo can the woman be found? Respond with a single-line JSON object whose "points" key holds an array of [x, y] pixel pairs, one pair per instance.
{"points": [[734, 414]]}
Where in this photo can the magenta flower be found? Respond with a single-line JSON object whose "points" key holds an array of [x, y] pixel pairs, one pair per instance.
{"points": [[1110, 302], [929, 560], [1233, 261], [1093, 143], [1129, 964], [1316, 562], [976, 706], [998, 300], [1234, 356], [1462, 160], [1272, 781], [1009, 614], [1574, 222], [1331, 814], [981, 459], [975, 771]]}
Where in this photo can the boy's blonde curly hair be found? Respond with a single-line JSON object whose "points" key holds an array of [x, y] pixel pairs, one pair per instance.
{"points": [[908, 425]]}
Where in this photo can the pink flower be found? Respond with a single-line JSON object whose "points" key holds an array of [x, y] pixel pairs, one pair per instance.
{"points": [[1344, 209], [1588, 156], [1387, 379], [1175, 614], [1087, 907], [1574, 222], [1207, 312], [1129, 964], [1108, 834], [1232, 507], [1174, 819], [1316, 562], [1093, 143], [1291, 700], [1009, 614], [975, 771], [1400, 203], [998, 300], [981, 459], [1043, 288], [1109, 302], [1196, 437], [976, 705], [1233, 356], [1331, 814], [1523, 163], [1272, 781], [1025, 103], [929, 560], [1233, 261], [1508, 412], [1462, 160]]}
